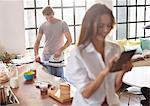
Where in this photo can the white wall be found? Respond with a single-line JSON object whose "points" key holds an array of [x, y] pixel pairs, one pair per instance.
{"points": [[108, 3], [12, 33]]}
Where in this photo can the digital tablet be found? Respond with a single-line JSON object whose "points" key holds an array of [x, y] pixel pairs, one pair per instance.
{"points": [[124, 58]]}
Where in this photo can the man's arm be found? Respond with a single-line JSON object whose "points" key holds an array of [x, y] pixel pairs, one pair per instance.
{"points": [[68, 42], [36, 47]]}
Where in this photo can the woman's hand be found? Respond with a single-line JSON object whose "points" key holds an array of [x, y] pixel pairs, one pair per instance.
{"points": [[112, 61], [110, 64]]}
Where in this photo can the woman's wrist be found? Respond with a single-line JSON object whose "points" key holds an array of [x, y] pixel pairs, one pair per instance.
{"points": [[105, 71]]}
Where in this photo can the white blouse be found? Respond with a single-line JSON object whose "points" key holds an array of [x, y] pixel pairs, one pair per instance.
{"points": [[83, 66]]}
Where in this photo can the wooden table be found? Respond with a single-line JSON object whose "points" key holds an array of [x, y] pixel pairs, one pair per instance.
{"points": [[138, 76], [28, 94]]}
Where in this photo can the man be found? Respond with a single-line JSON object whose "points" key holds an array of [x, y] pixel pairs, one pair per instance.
{"points": [[54, 31]]}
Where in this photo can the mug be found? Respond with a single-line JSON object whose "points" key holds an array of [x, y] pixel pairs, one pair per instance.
{"points": [[43, 89]]}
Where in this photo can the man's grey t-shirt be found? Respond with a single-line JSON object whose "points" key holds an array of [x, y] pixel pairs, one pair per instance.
{"points": [[54, 38]]}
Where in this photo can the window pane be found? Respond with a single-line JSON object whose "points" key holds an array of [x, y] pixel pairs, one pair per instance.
{"points": [[79, 15], [55, 3], [147, 13], [68, 15], [140, 13], [114, 2], [89, 3], [78, 29], [140, 2], [58, 13], [131, 30], [122, 14], [79, 2], [67, 2], [40, 17], [114, 12], [29, 18], [147, 31], [30, 38], [132, 14], [140, 30], [28, 3], [131, 2], [121, 31], [41, 3], [71, 28], [147, 2], [121, 2]]}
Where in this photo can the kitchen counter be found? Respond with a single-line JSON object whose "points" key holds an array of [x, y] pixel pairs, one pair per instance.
{"points": [[28, 94]]}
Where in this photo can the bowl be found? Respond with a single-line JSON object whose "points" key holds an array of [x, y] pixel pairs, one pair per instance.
{"points": [[29, 75]]}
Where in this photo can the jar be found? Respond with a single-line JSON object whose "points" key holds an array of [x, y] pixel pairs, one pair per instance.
{"points": [[14, 83], [43, 89]]}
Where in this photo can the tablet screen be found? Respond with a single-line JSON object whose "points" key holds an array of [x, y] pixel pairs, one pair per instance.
{"points": [[124, 58]]}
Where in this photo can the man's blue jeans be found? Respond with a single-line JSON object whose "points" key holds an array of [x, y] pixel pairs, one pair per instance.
{"points": [[56, 71]]}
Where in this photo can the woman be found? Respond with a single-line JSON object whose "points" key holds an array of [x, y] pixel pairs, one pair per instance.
{"points": [[90, 63]]}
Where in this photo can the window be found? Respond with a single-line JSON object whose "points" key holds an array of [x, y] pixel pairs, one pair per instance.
{"points": [[67, 10], [131, 17]]}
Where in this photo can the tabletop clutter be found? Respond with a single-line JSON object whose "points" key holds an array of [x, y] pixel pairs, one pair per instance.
{"points": [[30, 75], [4, 77], [61, 92]]}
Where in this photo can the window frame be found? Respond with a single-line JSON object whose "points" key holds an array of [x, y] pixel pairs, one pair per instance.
{"points": [[74, 25], [127, 22]]}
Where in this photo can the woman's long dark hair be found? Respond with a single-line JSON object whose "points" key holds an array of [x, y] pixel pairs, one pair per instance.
{"points": [[88, 29]]}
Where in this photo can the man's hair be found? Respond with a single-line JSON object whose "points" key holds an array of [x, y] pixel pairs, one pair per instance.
{"points": [[48, 11]]}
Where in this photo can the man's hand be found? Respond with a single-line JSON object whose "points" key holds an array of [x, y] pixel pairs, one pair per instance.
{"points": [[37, 59], [58, 53]]}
